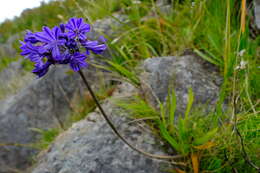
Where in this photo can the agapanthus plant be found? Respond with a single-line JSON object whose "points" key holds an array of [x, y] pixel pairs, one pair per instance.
{"points": [[69, 44], [64, 44]]}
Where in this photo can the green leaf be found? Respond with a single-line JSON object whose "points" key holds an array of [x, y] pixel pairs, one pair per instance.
{"points": [[205, 57], [189, 104], [172, 107], [124, 72], [182, 131], [206, 137], [162, 110], [183, 136], [122, 53], [168, 137]]}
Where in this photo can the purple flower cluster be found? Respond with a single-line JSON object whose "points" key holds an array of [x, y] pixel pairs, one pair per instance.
{"points": [[60, 45]]}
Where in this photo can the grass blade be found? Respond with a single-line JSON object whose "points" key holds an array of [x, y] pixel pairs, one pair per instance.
{"points": [[189, 104], [168, 137], [206, 137]]}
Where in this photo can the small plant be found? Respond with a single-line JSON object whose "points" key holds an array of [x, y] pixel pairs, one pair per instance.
{"points": [[63, 45], [186, 136], [205, 143], [46, 137]]}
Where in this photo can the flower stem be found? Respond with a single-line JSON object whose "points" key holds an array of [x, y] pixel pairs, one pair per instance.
{"points": [[114, 128]]}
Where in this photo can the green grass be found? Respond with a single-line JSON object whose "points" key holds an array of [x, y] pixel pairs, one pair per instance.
{"points": [[46, 137], [55, 12], [221, 43], [6, 61], [216, 146]]}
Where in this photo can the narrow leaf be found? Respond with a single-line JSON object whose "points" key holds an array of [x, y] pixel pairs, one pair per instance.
{"points": [[183, 136], [172, 107], [205, 146], [195, 162], [205, 57], [168, 137], [206, 137], [189, 104], [162, 109], [179, 170]]}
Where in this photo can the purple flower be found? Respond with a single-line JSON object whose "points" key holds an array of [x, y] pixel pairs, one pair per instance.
{"points": [[62, 27], [41, 68], [94, 47], [31, 52], [77, 28], [102, 39], [71, 44], [77, 61], [60, 45], [30, 37], [27, 49], [51, 40]]}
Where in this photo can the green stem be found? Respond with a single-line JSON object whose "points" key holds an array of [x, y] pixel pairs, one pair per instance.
{"points": [[114, 128]]}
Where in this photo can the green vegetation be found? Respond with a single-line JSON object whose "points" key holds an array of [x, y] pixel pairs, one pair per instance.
{"points": [[55, 12], [223, 140], [199, 136], [6, 61], [51, 14], [47, 137], [219, 141]]}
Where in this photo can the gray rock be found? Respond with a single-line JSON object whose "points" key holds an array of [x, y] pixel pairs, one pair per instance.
{"points": [[109, 26], [40, 105], [165, 6], [13, 78], [90, 146], [163, 2], [7, 49], [180, 73], [14, 69], [45, 103]]}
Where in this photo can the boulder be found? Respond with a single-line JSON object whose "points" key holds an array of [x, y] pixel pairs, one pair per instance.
{"points": [[7, 49], [13, 78], [90, 146], [45, 103], [40, 105], [180, 73]]}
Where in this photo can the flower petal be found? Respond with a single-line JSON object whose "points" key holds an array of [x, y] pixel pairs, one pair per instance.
{"points": [[78, 61], [48, 32], [56, 30]]}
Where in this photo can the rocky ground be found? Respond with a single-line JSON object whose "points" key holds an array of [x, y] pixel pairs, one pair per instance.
{"points": [[91, 146]]}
